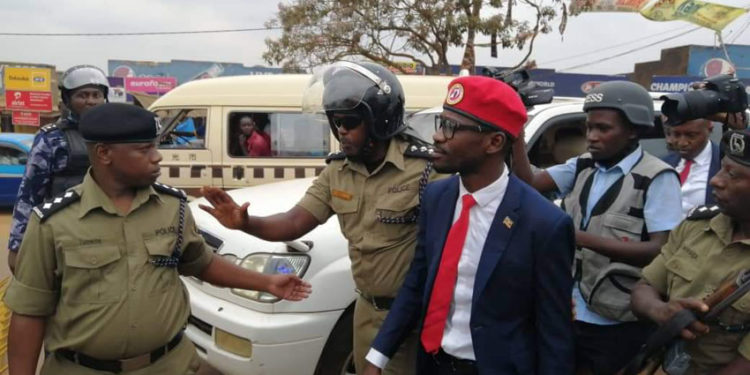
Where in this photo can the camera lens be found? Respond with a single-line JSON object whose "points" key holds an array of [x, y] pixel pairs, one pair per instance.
{"points": [[691, 105]]}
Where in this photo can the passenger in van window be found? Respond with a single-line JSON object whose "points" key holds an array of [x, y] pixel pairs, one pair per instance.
{"points": [[373, 186], [253, 138], [624, 201]]}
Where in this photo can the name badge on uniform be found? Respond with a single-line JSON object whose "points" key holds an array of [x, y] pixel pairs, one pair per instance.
{"points": [[341, 194]]}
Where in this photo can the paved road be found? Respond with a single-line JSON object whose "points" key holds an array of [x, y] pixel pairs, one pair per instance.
{"points": [[5, 214]]}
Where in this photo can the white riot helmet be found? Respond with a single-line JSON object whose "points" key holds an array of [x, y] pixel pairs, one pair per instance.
{"points": [[80, 76]]}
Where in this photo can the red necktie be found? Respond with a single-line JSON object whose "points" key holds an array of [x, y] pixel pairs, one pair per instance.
{"points": [[685, 171], [445, 281]]}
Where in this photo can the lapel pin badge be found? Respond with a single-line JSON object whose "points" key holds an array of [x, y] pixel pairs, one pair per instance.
{"points": [[508, 222]]}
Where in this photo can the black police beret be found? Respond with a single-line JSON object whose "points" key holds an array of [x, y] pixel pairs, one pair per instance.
{"points": [[119, 123], [736, 145]]}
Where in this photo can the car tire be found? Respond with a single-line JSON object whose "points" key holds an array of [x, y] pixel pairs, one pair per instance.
{"points": [[337, 358]]}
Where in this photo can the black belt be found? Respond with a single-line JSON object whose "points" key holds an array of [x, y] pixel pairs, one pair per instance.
{"points": [[117, 366], [453, 364], [379, 303]]}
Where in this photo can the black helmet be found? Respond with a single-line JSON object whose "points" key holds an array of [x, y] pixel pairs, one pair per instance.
{"points": [[632, 100], [368, 89], [82, 75]]}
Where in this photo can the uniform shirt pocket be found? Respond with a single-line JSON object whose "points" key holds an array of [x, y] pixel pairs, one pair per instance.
{"points": [[683, 271], [93, 274], [160, 279], [395, 219], [623, 227], [346, 207]]}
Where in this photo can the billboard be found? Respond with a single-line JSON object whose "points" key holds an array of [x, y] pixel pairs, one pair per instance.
{"points": [[26, 118], [571, 84], [183, 70], [27, 79], [150, 85], [28, 100], [706, 61]]}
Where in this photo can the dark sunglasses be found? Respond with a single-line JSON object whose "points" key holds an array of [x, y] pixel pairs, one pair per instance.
{"points": [[449, 127], [347, 122]]}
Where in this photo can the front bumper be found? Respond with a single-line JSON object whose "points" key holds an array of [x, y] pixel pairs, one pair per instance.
{"points": [[283, 343]]}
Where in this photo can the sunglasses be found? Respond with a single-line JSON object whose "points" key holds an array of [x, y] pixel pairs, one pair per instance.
{"points": [[346, 122], [449, 127]]}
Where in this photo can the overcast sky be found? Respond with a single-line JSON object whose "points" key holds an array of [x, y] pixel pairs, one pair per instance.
{"points": [[585, 33]]}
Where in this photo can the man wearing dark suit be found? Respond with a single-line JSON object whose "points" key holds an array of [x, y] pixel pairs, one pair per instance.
{"points": [[490, 284], [696, 159]]}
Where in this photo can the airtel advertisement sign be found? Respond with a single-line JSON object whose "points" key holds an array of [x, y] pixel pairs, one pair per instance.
{"points": [[150, 85]]}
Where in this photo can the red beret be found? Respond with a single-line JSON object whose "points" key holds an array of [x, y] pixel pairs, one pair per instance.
{"points": [[487, 101]]}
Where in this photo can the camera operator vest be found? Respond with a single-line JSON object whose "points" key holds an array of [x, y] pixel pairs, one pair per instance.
{"points": [[604, 283], [78, 160]]}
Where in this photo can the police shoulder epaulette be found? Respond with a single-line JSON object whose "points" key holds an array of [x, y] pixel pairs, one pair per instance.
{"points": [[419, 151], [46, 209], [335, 156], [703, 212], [166, 189], [50, 127]]}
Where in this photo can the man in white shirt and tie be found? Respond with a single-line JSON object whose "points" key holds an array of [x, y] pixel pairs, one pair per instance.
{"points": [[489, 287], [696, 159]]}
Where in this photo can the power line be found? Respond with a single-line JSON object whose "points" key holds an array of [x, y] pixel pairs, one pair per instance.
{"points": [[612, 46], [631, 50], [184, 32]]}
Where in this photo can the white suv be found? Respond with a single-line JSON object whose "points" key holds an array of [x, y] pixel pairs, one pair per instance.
{"points": [[241, 332]]}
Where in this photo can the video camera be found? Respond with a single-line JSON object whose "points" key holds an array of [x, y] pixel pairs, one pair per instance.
{"points": [[719, 94], [531, 94]]}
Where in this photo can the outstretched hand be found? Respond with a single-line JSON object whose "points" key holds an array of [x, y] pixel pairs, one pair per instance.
{"points": [[289, 287], [225, 210]]}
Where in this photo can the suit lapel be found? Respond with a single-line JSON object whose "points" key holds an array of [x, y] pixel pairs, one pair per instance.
{"points": [[499, 236], [446, 207]]}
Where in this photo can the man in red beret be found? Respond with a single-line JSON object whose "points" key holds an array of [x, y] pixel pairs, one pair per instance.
{"points": [[489, 287]]}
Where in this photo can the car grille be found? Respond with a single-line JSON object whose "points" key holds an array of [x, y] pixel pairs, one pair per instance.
{"points": [[201, 325]]}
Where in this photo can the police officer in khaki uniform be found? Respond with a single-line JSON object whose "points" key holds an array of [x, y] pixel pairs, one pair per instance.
{"points": [[373, 186], [711, 246], [97, 277]]}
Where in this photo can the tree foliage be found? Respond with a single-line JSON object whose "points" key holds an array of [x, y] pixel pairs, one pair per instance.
{"points": [[390, 31]]}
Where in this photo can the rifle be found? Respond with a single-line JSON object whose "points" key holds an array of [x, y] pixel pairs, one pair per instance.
{"points": [[649, 359]]}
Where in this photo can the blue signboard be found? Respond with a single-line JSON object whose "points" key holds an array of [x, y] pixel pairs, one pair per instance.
{"points": [[571, 84], [707, 60], [183, 70], [680, 83]]}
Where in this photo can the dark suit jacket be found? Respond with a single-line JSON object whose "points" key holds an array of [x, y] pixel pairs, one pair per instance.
{"points": [[674, 158], [521, 319]]}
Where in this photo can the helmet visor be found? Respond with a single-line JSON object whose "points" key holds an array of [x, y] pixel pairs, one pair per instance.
{"points": [[340, 87]]}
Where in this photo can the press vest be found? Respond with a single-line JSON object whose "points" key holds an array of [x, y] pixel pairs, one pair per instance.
{"points": [[78, 160], [606, 284]]}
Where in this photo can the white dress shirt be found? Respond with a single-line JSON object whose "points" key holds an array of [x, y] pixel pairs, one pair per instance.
{"points": [[457, 335], [694, 188]]}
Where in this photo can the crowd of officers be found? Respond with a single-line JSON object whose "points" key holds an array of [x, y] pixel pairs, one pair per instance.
{"points": [[100, 244]]}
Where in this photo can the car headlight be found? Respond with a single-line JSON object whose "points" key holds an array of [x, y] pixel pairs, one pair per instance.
{"points": [[271, 264]]}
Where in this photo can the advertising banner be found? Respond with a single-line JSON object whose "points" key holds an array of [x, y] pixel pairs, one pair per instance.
{"points": [[26, 118], [27, 79], [571, 84], [117, 92], [150, 85], [606, 5], [710, 15], [28, 100], [184, 70]]}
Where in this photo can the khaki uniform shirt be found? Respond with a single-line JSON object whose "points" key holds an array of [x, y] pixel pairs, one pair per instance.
{"points": [[86, 268], [698, 257], [380, 253]]}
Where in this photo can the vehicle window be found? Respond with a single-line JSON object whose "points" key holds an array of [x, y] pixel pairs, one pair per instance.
{"points": [[560, 139], [263, 134], [183, 128], [12, 156]]}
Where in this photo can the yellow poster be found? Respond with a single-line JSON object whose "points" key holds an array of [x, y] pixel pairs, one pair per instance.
{"points": [[27, 79], [712, 16]]}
